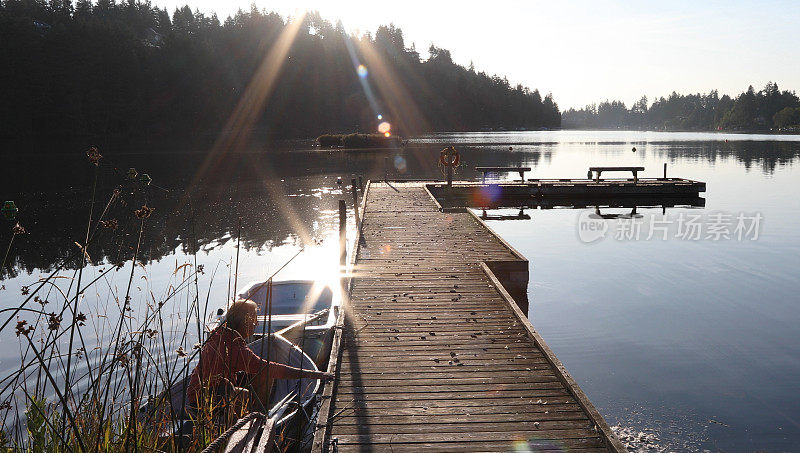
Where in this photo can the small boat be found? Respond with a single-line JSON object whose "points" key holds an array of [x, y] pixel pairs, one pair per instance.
{"points": [[303, 312], [297, 331], [290, 397]]}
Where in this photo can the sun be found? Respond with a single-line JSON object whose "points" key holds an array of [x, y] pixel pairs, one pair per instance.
{"points": [[355, 16]]}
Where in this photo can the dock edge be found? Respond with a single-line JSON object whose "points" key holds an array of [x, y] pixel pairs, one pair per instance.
{"points": [[611, 439]]}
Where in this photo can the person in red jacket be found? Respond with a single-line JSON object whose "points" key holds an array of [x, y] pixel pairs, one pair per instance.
{"points": [[225, 356]]}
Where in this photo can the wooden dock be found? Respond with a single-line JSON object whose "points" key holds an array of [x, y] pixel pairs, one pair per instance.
{"points": [[571, 192], [434, 353]]}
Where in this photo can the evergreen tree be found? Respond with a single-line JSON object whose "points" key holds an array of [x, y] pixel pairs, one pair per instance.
{"points": [[750, 110], [127, 68]]}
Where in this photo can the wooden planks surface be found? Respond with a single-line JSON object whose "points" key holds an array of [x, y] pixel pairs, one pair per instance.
{"points": [[432, 357]]}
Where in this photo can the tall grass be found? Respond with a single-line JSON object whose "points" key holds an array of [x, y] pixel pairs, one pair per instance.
{"points": [[90, 357]]}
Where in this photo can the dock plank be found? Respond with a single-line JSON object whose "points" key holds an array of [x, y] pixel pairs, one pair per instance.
{"points": [[432, 356]]}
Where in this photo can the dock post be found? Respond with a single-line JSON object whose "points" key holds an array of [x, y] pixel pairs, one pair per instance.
{"points": [[355, 200], [361, 185], [449, 176], [342, 235], [665, 170]]}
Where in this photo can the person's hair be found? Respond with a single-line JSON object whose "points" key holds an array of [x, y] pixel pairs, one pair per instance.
{"points": [[237, 314]]}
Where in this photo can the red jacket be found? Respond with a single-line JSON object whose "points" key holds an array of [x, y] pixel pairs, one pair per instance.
{"points": [[224, 354]]}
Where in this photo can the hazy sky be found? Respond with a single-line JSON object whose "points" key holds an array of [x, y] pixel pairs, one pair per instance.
{"points": [[587, 51]]}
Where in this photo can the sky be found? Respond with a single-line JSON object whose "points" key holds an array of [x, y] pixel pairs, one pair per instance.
{"points": [[586, 51]]}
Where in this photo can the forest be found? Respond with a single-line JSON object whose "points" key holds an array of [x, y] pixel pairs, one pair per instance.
{"points": [[129, 69], [763, 110]]}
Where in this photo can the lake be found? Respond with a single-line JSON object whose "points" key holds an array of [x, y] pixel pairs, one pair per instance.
{"points": [[681, 324]]}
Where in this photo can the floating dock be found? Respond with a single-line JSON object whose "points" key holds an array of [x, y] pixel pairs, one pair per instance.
{"points": [[435, 351], [548, 193]]}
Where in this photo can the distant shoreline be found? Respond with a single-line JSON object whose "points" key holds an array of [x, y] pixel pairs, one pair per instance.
{"points": [[742, 132], [210, 138], [22, 147]]}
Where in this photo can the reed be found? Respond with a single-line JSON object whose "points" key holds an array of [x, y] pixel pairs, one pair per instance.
{"points": [[91, 356]]}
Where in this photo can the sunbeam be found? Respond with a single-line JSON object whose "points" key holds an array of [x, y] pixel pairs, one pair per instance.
{"points": [[239, 126], [363, 74], [281, 201], [406, 114]]}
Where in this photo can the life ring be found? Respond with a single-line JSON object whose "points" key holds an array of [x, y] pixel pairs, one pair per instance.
{"points": [[449, 157]]}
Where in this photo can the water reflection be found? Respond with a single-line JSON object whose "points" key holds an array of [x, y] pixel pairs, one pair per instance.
{"points": [[278, 194], [279, 197], [685, 327], [500, 216], [665, 332]]}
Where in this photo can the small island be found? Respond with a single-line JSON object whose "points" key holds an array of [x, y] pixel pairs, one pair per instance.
{"points": [[360, 141]]}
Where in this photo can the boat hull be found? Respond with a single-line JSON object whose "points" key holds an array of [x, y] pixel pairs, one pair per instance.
{"points": [[171, 410]]}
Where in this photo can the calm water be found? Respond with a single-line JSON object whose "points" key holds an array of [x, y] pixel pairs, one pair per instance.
{"points": [[685, 343]]}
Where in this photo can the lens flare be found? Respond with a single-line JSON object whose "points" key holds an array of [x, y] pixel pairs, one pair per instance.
{"points": [[362, 71], [380, 117], [387, 134], [487, 195], [394, 89], [400, 164], [384, 127], [520, 446]]}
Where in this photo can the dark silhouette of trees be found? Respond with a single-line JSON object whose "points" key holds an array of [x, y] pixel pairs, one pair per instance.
{"points": [[128, 69], [766, 109]]}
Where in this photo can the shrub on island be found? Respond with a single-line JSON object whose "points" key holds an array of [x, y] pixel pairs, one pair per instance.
{"points": [[358, 141]]}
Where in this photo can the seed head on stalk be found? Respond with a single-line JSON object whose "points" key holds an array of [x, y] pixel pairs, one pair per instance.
{"points": [[111, 224], [94, 156], [122, 358], [22, 330], [53, 321], [144, 212]]}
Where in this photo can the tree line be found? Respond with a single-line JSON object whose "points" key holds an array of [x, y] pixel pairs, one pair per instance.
{"points": [[766, 109], [129, 69]]}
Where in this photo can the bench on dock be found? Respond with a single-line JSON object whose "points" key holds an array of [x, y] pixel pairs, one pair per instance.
{"points": [[598, 170], [520, 170]]}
